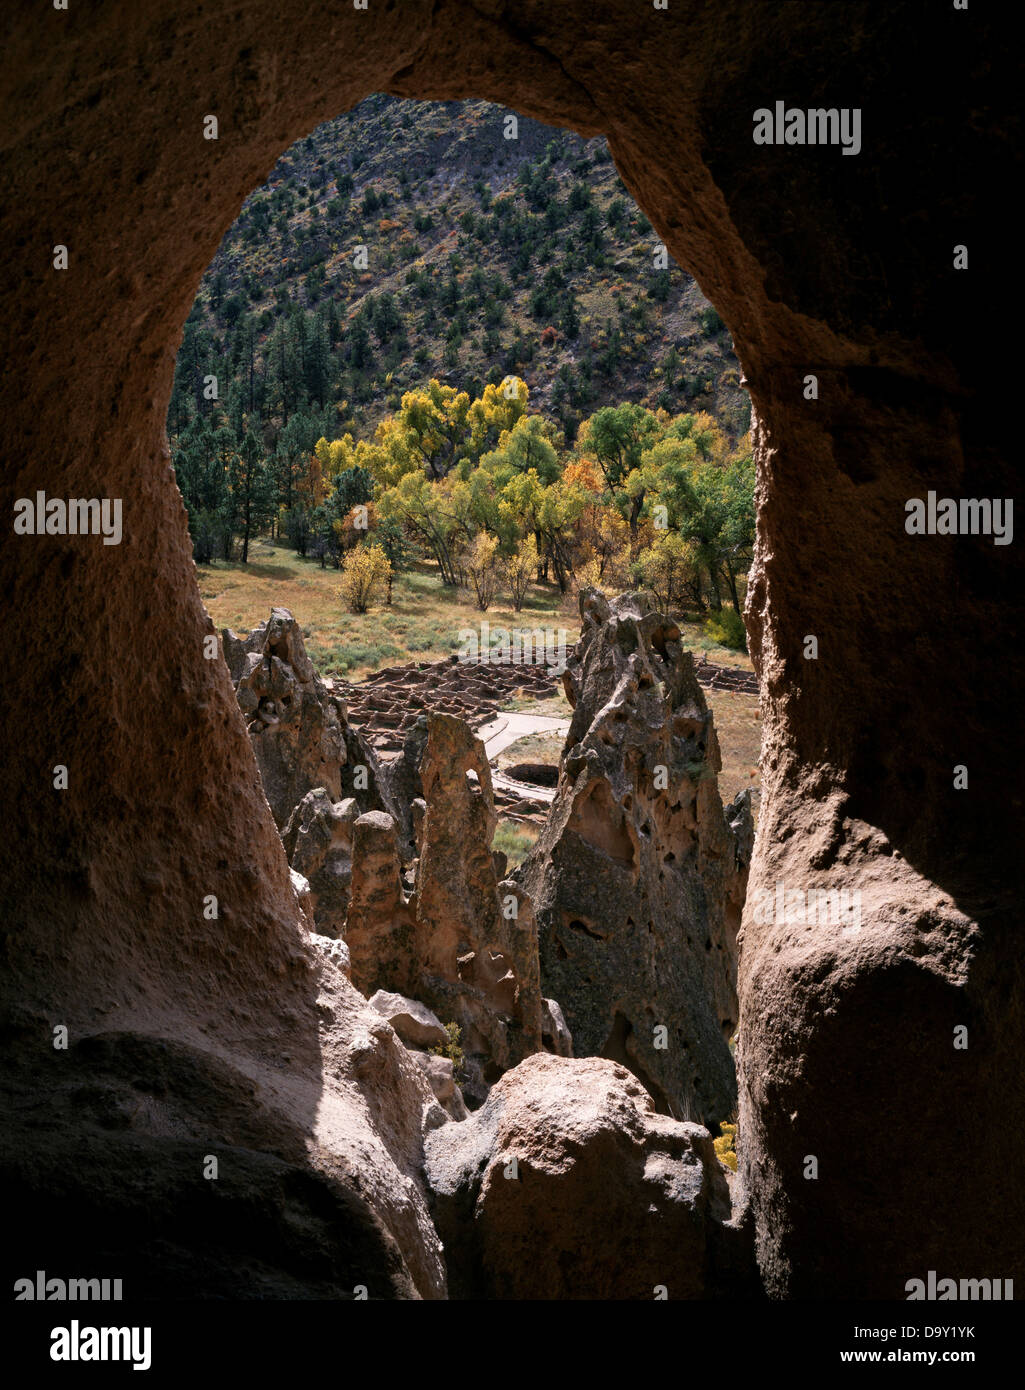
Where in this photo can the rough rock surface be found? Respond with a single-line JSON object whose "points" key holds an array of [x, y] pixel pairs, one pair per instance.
{"points": [[463, 940], [555, 1033], [609, 1198], [406, 788], [336, 951], [379, 929], [818, 264], [318, 842], [299, 730], [638, 875], [303, 896], [319, 1186]]}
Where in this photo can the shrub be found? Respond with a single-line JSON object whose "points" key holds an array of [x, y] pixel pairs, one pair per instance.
{"points": [[521, 570], [483, 569], [725, 1145], [727, 629], [452, 1050]]}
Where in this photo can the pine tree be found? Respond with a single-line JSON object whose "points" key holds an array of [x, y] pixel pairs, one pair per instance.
{"points": [[252, 490]]}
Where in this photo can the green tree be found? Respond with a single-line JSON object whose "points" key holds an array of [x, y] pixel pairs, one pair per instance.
{"points": [[389, 535], [666, 567], [617, 437], [526, 446]]}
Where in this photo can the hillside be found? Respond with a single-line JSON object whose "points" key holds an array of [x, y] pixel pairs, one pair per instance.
{"points": [[484, 256]]}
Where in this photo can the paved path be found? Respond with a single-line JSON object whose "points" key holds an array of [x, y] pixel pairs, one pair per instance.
{"points": [[510, 726], [506, 729]]}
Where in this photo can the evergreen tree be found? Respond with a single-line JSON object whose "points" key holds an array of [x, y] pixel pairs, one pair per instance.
{"points": [[252, 490]]}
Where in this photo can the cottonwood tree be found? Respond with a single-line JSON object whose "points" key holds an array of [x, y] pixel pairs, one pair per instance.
{"points": [[420, 508], [617, 437], [526, 446], [364, 570], [666, 568]]}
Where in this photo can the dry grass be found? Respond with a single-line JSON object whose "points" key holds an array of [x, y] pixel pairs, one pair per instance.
{"points": [[693, 638], [423, 624], [514, 840], [739, 730], [554, 706]]}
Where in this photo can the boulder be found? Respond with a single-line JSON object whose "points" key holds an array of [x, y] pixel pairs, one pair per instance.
{"points": [[413, 1021], [638, 876], [567, 1184]]}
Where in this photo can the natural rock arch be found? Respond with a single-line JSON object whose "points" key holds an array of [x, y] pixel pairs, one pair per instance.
{"points": [[819, 264]]}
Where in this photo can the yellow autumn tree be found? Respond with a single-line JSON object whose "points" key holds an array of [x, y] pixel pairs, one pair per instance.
{"points": [[726, 1145], [364, 570]]}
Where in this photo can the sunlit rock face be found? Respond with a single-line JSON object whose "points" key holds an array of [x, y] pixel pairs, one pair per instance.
{"points": [[568, 1185]]}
